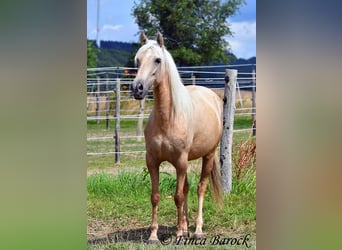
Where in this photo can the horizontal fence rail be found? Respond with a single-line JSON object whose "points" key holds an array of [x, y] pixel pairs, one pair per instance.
{"points": [[102, 91]]}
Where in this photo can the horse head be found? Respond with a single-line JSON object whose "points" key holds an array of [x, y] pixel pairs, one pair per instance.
{"points": [[150, 63]]}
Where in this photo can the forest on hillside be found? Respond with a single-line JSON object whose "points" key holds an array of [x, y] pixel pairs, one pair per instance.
{"points": [[121, 54]]}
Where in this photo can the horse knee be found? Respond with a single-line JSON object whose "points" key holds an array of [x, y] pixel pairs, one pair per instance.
{"points": [[155, 198], [179, 199], [201, 188]]}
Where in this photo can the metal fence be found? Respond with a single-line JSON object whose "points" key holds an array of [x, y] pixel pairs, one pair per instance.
{"points": [[104, 85]]}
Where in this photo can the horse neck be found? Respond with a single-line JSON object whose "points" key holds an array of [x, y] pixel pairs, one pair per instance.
{"points": [[163, 103], [171, 99]]}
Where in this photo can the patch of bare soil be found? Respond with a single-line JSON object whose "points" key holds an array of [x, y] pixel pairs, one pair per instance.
{"points": [[102, 233]]}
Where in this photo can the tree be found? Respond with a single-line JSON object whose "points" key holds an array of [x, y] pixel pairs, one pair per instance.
{"points": [[91, 54], [130, 63], [194, 30]]}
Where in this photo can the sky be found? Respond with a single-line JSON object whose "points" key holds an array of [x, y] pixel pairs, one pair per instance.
{"points": [[116, 23]]}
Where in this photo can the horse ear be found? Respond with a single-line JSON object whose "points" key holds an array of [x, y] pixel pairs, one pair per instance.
{"points": [[143, 38], [160, 39]]}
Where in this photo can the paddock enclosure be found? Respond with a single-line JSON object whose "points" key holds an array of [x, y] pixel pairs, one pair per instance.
{"points": [[118, 184], [115, 125]]}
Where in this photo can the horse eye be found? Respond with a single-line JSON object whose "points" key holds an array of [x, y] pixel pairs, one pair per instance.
{"points": [[137, 63], [158, 60]]}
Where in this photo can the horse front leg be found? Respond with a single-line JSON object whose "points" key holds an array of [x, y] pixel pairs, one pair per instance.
{"points": [[180, 196], [153, 168]]}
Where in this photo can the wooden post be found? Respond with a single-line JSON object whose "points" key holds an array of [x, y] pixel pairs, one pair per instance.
{"points": [[107, 104], [97, 93], [239, 93], [117, 122], [193, 78], [227, 134], [141, 120], [253, 102]]}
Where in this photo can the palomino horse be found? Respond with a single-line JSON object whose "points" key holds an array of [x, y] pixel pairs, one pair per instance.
{"points": [[185, 124]]}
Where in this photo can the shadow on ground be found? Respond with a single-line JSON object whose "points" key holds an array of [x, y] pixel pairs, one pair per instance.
{"points": [[139, 235]]}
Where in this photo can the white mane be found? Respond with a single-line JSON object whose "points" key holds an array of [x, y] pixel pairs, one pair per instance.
{"points": [[182, 103], [180, 96]]}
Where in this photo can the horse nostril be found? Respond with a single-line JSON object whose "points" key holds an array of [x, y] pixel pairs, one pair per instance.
{"points": [[140, 86]]}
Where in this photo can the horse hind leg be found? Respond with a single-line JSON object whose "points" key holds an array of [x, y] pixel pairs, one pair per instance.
{"points": [[185, 208], [207, 166]]}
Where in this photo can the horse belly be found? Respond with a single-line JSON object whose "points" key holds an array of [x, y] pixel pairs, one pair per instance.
{"points": [[206, 136], [202, 146], [207, 122]]}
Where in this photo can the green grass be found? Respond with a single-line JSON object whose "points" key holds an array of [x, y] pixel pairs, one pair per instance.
{"points": [[128, 125], [124, 200], [128, 128], [241, 122]]}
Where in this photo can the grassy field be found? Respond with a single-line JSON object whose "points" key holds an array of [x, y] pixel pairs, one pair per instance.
{"points": [[121, 204], [118, 204], [128, 128]]}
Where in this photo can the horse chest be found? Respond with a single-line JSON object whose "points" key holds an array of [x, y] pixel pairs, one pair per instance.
{"points": [[165, 146]]}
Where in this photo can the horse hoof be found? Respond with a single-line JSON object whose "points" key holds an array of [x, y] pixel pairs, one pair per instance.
{"points": [[149, 242], [186, 234], [198, 236]]}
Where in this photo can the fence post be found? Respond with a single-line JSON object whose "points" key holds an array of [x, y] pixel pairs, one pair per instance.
{"points": [[253, 101], [107, 103], [239, 93], [140, 119], [117, 122], [97, 93], [193, 78], [227, 133]]}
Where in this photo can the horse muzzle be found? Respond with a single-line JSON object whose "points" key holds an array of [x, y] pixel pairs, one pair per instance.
{"points": [[138, 90]]}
